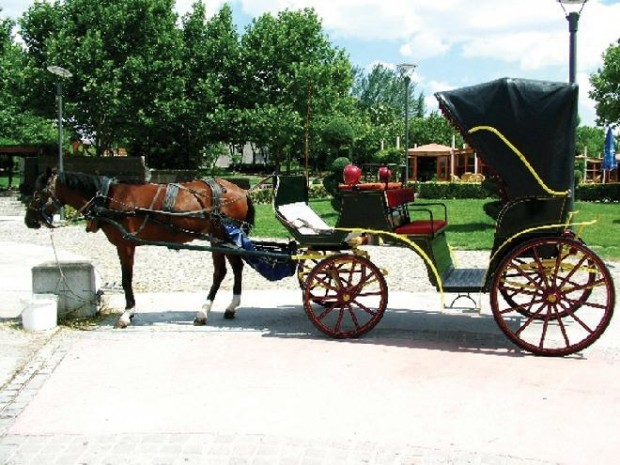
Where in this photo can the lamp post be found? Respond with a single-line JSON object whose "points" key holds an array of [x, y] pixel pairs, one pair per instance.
{"points": [[405, 70], [62, 73], [575, 7]]}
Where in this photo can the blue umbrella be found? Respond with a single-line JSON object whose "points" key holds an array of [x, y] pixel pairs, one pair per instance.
{"points": [[609, 157]]}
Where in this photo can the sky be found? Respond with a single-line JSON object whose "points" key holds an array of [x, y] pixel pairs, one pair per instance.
{"points": [[453, 43]]}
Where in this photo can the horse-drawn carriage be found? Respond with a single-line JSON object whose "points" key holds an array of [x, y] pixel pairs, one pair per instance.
{"points": [[549, 293]]}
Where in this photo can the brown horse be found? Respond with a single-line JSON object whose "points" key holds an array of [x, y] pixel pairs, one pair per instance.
{"points": [[131, 213]]}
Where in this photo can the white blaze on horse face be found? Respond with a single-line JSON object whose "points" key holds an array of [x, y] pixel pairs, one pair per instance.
{"points": [[236, 301]]}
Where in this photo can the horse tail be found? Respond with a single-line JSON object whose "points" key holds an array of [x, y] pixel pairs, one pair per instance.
{"points": [[250, 216]]}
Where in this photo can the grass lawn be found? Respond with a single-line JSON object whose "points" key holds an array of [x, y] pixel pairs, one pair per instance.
{"points": [[471, 229]]}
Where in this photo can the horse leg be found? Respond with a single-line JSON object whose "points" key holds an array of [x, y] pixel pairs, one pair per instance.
{"points": [[219, 272], [236, 264], [126, 254]]}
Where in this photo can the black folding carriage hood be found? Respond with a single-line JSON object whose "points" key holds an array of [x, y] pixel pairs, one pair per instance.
{"points": [[537, 117]]}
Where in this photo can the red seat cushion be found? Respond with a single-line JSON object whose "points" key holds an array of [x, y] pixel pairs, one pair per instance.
{"points": [[421, 227]]}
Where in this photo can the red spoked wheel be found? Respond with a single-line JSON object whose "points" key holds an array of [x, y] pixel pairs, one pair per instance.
{"points": [[345, 296], [552, 296]]}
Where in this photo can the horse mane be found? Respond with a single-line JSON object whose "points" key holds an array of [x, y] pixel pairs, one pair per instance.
{"points": [[89, 184]]}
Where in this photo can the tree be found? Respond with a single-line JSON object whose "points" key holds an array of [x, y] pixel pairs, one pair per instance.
{"points": [[590, 140], [606, 87], [126, 61], [288, 67], [433, 129], [381, 95], [17, 124]]}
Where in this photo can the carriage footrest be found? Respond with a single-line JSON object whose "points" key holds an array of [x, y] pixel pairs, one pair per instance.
{"points": [[464, 280]]}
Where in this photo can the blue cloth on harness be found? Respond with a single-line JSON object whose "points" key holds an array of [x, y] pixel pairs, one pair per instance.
{"points": [[269, 268]]}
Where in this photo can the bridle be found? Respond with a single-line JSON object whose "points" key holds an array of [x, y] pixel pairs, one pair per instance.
{"points": [[45, 200]]}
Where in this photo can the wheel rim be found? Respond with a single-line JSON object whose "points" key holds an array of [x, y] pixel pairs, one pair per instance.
{"points": [[552, 296], [345, 296]]}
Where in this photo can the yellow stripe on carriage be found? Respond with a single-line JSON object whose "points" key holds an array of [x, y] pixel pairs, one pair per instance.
{"points": [[527, 164]]}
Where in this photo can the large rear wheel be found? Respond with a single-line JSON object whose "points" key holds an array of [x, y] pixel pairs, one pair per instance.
{"points": [[552, 296], [345, 296]]}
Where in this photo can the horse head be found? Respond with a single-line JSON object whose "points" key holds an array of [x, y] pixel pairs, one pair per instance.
{"points": [[44, 203]]}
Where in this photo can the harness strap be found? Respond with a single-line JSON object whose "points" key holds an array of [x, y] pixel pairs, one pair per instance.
{"points": [[216, 196], [170, 198]]}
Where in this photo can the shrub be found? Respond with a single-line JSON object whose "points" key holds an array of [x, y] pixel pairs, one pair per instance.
{"points": [[598, 192], [449, 190]]}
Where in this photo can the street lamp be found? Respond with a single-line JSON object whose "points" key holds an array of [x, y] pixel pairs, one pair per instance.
{"points": [[405, 70], [63, 74], [575, 7]]}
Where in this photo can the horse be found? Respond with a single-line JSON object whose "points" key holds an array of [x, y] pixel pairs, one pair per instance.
{"points": [[130, 213]]}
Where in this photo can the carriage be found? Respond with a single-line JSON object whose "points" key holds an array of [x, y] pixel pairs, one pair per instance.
{"points": [[549, 293]]}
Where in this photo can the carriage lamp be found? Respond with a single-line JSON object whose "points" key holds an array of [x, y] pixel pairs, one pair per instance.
{"points": [[405, 69], [384, 174], [352, 174], [572, 10]]}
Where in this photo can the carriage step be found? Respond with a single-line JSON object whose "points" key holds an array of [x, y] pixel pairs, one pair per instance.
{"points": [[464, 280]]}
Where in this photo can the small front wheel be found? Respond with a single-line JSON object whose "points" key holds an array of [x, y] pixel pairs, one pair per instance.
{"points": [[345, 296], [552, 296]]}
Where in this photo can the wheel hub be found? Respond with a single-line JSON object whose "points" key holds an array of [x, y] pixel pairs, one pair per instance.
{"points": [[552, 296]]}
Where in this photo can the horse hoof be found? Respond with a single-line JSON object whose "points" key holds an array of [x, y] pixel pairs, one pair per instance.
{"points": [[200, 321], [229, 315], [120, 324]]}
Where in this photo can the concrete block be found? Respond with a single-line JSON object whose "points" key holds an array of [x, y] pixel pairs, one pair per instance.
{"points": [[72, 281]]}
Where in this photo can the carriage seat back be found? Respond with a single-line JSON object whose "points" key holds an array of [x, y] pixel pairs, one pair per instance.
{"points": [[290, 189]]}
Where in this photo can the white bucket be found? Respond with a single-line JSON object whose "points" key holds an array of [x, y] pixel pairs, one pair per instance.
{"points": [[40, 312]]}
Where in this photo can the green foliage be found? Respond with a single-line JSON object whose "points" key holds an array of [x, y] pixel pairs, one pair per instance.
{"points": [[289, 72], [590, 140], [449, 190], [606, 87], [381, 95], [433, 129], [389, 156], [598, 192], [17, 125], [338, 165]]}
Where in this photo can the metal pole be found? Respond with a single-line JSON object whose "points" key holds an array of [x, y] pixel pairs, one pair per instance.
{"points": [[60, 136], [573, 21], [407, 80]]}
